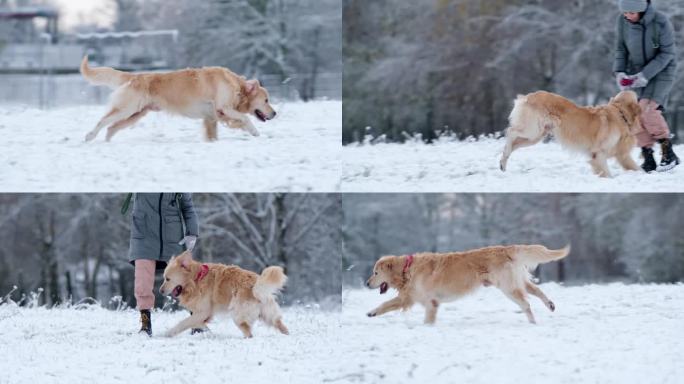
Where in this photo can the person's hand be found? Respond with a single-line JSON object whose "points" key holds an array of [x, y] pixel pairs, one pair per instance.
{"points": [[189, 242], [640, 80], [623, 82]]}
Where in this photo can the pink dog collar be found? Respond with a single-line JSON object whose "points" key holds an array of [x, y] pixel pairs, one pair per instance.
{"points": [[204, 270]]}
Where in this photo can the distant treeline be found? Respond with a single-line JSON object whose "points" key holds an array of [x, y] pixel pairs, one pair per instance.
{"points": [[453, 67], [75, 246], [614, 237]]}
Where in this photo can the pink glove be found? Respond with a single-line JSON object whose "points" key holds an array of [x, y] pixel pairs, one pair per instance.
{"points": [[623, 81]]}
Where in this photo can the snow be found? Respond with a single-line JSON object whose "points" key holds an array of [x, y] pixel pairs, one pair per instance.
{"points": [[598, 334], [473, 166], [44, 151], [99, 345], [612, 333]]}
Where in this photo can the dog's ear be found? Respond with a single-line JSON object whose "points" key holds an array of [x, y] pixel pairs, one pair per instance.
{"points": [[390, 262], [184, 259], [251, 86], [635, 108]]}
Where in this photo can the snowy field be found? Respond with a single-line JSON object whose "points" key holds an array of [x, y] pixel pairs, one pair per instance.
{"points": [[456, 166], [44, 151], [609, 334], [599, 334], [95, 345]]}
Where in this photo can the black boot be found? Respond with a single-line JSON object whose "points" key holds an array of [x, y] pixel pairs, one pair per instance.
{"points": [[668, 160], [146, 321], [649, 164]]}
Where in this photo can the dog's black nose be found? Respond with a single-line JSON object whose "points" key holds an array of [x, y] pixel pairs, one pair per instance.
{"points": [[274, 113], [368, 284]]}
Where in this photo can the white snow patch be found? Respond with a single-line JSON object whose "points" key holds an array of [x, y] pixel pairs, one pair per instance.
{"points": [[473, 166], [598, 334], [96, 345], [44, 151]]}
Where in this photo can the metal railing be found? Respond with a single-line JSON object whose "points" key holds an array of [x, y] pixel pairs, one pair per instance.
{"points": [[61, 90]]}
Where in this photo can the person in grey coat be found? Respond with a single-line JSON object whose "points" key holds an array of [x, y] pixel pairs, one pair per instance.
{"points": [[645, 61], [163, 225]]}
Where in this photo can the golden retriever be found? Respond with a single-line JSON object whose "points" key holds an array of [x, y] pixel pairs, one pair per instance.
{"points": [[207, 289], [601, 132], [433, 278], [213, 94]]}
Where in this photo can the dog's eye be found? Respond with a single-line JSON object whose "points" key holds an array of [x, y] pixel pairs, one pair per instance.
{"points": [[167, 279], [375, 273]]}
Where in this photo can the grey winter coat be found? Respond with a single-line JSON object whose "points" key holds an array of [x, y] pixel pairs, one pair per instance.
{"points": [[160, 221], [649, 47]]}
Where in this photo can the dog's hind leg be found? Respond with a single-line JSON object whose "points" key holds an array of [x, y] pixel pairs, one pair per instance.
{"points": [[115, 114], [245, 327], [279, 325], [514, 142], [535, 291], [518, 296], [510, 138], [431, 311], [270, 314], [119, 125]]}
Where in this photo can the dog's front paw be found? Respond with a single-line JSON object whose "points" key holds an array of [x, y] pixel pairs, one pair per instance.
{"points": [[253, 132], [371, 314]]}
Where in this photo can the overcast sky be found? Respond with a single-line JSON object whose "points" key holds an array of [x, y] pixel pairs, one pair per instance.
{"points": [[73, 12]]}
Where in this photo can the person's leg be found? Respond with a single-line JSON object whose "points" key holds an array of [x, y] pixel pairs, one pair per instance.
{"points": [[655, 126], [644, 135], [144, 292], [668, 158], [653, 121]]}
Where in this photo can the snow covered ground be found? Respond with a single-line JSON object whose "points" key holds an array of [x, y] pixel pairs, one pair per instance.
{"points": [[95, 345], [599, 334], [473, 166], [44, 151]]}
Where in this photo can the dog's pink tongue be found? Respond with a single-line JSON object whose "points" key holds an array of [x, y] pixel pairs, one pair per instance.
{"points": [[383, 288], [176, 291]]}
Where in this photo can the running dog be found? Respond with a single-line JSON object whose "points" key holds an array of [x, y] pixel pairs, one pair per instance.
{"points": [[213, 94], [433, 278], [207, 289], [601, 132]]}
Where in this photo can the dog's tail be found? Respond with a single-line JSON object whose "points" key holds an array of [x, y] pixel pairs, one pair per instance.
{"points": [[104, 75], [533, 255], [269, 283]]}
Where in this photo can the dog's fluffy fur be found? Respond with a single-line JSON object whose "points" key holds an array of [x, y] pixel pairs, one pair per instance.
{"points": [[243, 294], [434, 278], [601, 132], [213, 94]]}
